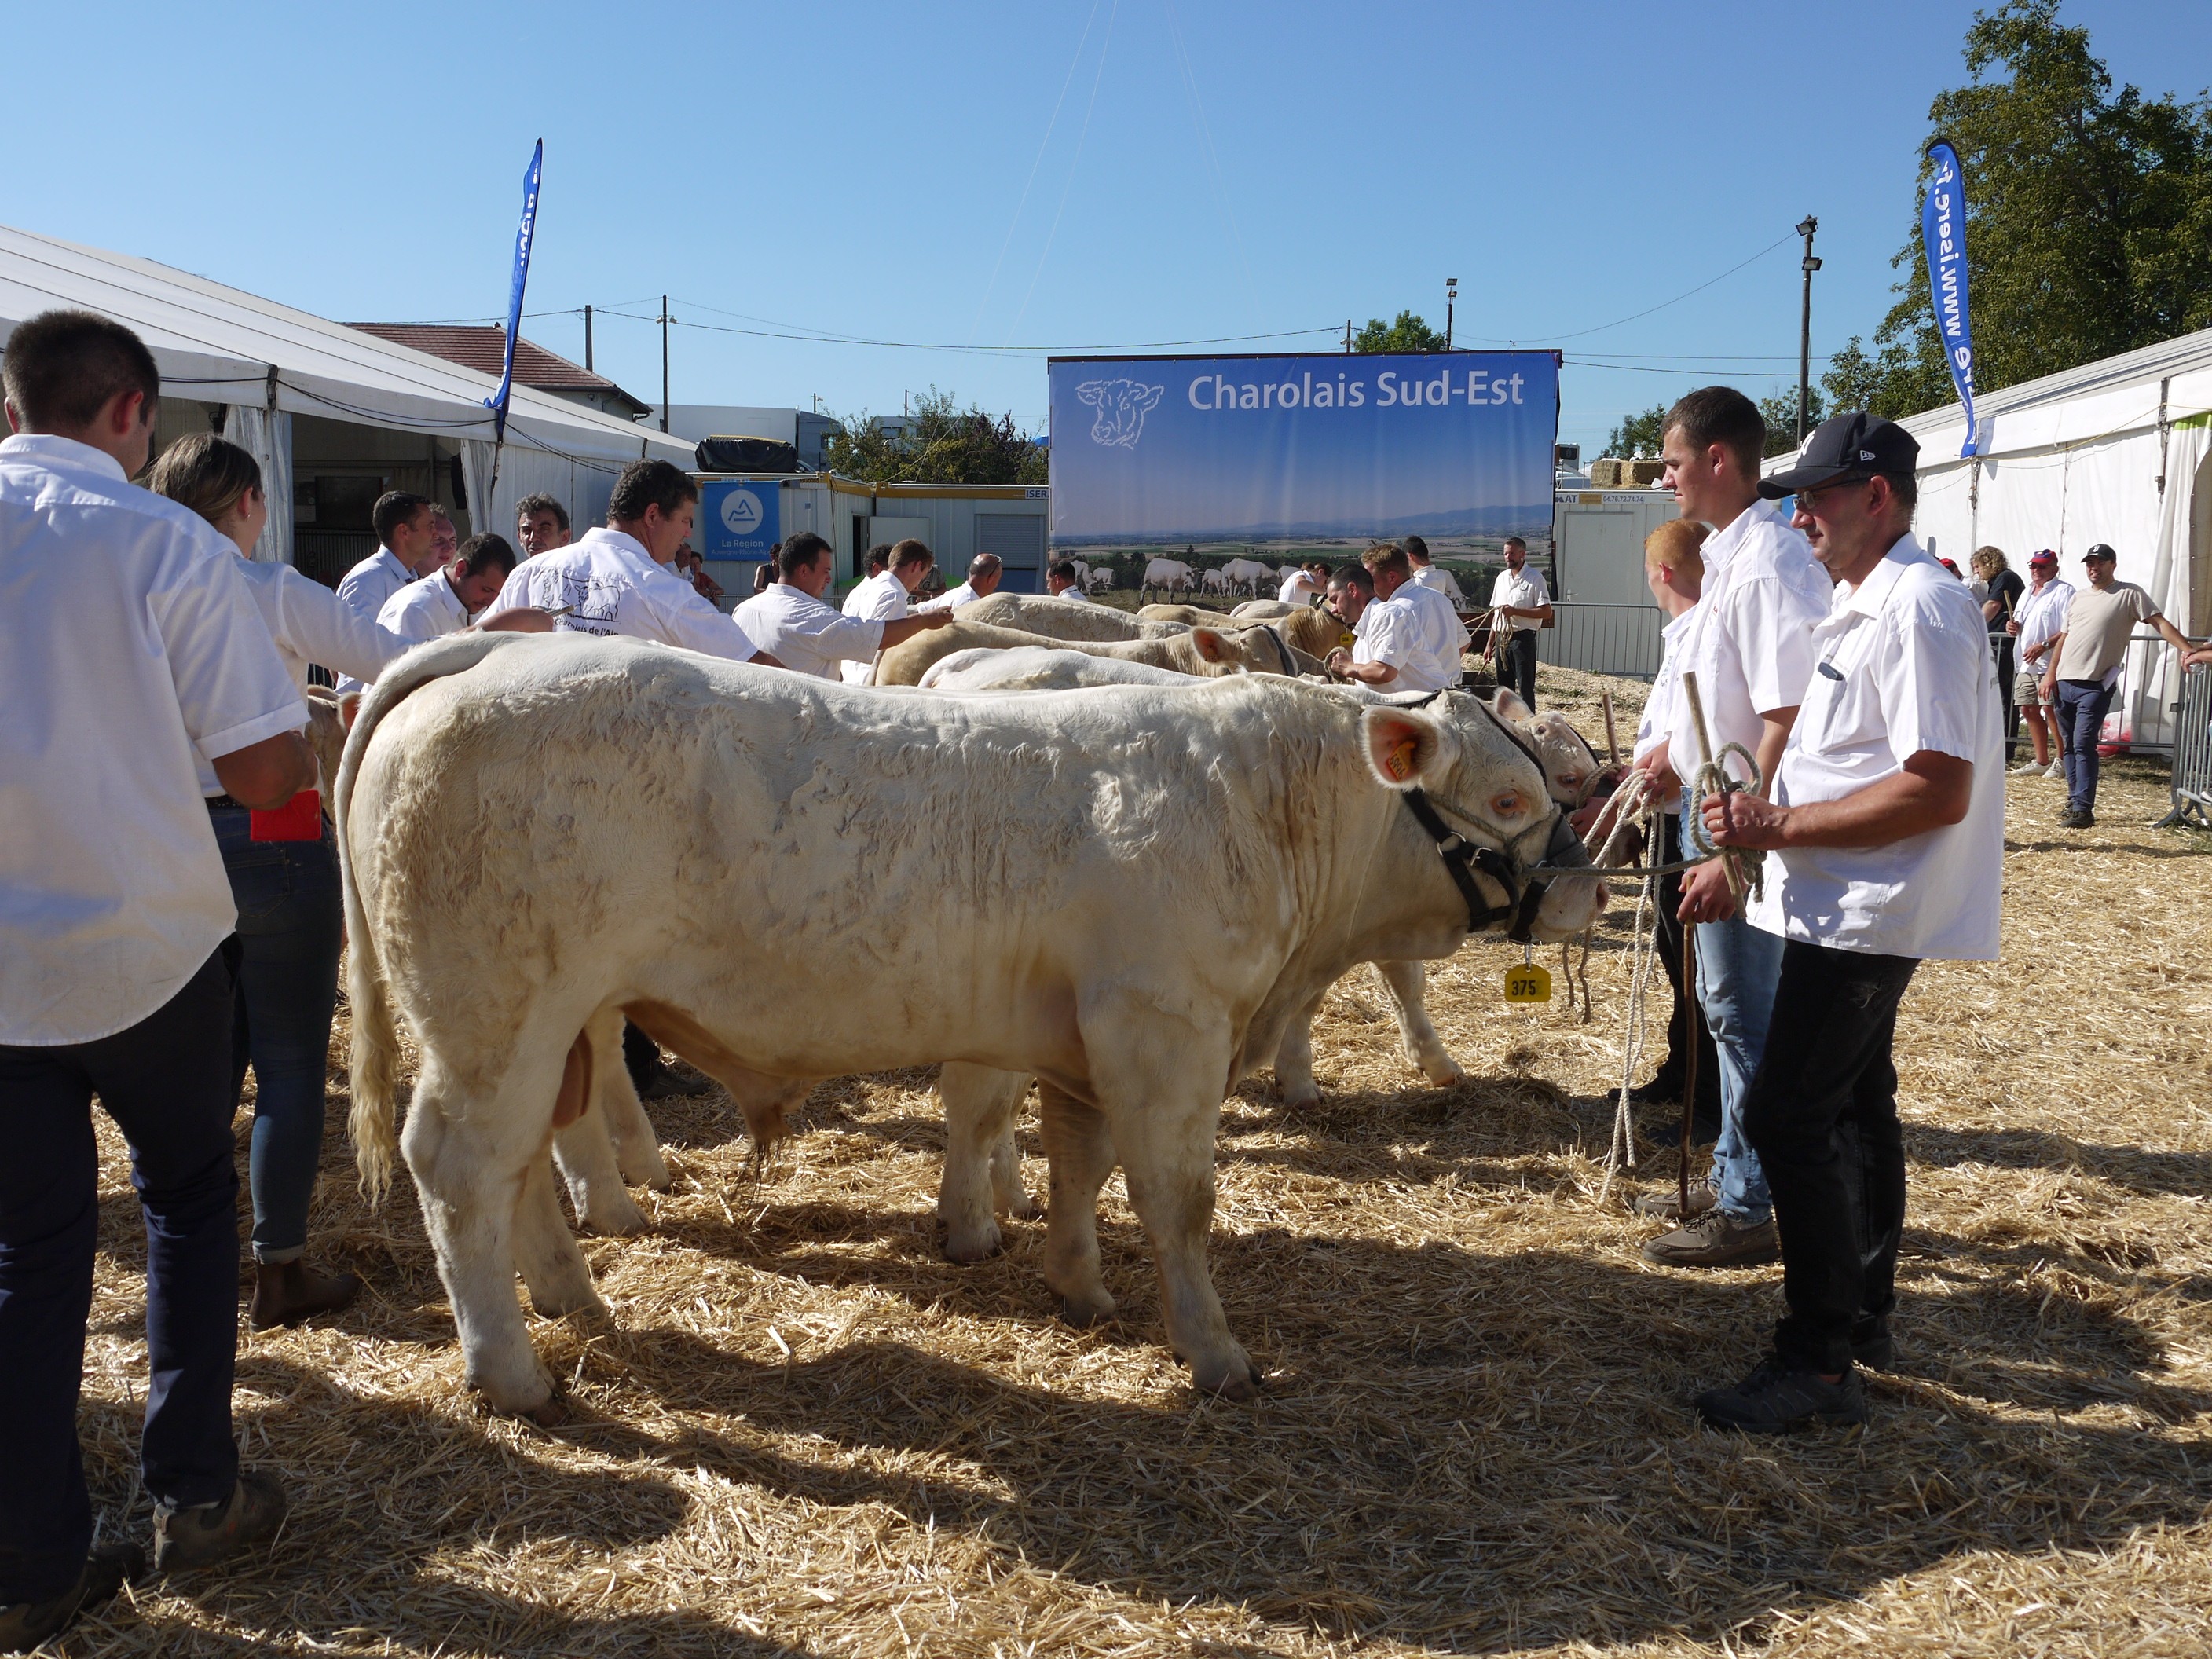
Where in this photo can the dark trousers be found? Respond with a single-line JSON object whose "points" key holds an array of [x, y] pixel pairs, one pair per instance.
{"points": [[290, 929], [2083, 706], [1516, 664], [1668, 935], [2000, 644], [641, 1057], [165, 1081], [1821, 1113]]}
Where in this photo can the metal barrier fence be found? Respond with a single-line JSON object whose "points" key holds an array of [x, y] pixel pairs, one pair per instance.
{"points": [[1603, 639], [2192, 753]]}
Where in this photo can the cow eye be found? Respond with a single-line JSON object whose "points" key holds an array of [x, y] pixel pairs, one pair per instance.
{"points": [[1508, 805]]}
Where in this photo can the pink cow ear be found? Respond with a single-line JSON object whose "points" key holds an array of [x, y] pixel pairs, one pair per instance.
{"points": [[1404, 748]]}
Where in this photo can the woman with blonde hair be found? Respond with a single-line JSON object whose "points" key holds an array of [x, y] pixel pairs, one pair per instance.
{"points": [[284, 880], [1675, 568], [2003, 593]]}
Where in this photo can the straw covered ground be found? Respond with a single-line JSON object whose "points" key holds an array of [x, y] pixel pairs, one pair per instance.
{"points": [[803, 1432]]}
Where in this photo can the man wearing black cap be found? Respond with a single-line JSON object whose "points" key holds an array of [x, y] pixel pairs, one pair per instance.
{"points": [[2040, 619], [1887, 831], [2085, 661]]}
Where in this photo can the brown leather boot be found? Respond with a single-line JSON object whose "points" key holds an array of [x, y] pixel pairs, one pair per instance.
{"points": [[1716, 1240], [285, 1292], [24, 1625], [208, 1533]]}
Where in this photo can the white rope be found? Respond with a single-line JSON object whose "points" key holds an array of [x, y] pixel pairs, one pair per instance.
{"points": [[1640, 811]]}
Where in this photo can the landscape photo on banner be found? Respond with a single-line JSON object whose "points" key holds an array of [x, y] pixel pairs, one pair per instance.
{"points": [[1291, 455]]}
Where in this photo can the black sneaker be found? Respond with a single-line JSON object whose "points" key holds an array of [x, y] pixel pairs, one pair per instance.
{"points": [[24, 1625], [2077, 819], [1773, 1401]]}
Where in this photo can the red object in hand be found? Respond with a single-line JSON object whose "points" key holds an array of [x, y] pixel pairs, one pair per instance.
{"points": [[300, 818]]}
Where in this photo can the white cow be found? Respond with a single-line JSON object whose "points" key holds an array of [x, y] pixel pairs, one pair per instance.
{"points": [[1170, 573], [1215, 581], [1100, 580], [1197, 650], [1246, 574], [1067, 619], [1146, 884], [1036, 668], [1265, 610]]}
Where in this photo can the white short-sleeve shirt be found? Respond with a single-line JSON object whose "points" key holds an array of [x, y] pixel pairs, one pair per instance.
{"points": [[1904, 666], [2042, 617], [428, 610], [1297, 588], [963, 594], [1074, 590], [1659, 708], [129, 645], [1437, 581], [1399, 631], [1524, 588], [366, 586], [613, 586], [879, 599], [1752, 649], [806, 633]]}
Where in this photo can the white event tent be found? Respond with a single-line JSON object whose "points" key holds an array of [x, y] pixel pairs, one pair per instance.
{"points": [[267, 362], [2115, 451]]}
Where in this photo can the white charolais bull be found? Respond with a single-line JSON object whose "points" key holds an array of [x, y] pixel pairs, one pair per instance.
{"points": [[1200, 651], [1170, 573], [1035, 668], [1066, 619], [1246, 574], [1100, 580], [1128, 892]]}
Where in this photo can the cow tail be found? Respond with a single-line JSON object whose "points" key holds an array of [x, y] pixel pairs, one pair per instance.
{"points": [[372, 1059]]}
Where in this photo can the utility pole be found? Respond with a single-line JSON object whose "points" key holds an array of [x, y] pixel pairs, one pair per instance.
{"points": [[663, 364], [1347, 336], [587, 339], [1452, 297], [1805, 327]]}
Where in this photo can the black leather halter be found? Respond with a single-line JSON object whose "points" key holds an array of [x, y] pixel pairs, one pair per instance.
{"points": [[1524, 886], [1282, 652]]}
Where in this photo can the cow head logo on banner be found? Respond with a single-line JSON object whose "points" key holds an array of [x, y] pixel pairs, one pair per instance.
{"points": [[1121, 407]]}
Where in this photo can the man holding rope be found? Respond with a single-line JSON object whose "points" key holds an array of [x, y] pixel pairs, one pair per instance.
{"points": [[1745, 663], [1886, 828]]}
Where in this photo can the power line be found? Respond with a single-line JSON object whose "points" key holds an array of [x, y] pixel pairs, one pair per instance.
{"points": [[1550, 339]]}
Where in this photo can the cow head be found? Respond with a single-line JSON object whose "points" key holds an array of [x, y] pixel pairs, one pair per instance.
{"points": [[1121, 407], [1570, 765], [1477, 777]]}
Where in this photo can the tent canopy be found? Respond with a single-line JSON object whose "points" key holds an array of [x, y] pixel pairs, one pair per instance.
{"points": [[218, 345]]}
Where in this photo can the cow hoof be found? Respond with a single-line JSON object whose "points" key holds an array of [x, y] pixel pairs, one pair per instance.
{"points": [[615, 1220], [1299, 1096], [552, 1414], [1024, 1208], [1237, 1381], [1083, 1312], [551, 1305], [1446, 1074], [969, 1246], [653, 1174]]}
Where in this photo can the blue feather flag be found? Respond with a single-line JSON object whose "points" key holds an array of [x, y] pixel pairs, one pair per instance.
{"points": [[1943, 233], [524, 234]]}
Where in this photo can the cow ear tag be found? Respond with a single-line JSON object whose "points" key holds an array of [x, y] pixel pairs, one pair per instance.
{"points": [[1347, 639], [1400, 764], [1526, 981]]}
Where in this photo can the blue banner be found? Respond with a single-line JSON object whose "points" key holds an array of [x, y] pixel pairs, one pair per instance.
{"points": [[1303, 453], [523, 235], [739, 520], [1943, 232]]}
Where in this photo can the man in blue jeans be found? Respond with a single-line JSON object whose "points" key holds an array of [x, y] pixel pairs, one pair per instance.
{"points": [[2086, 660], [1749, 647], [127, 641], [1885, 843]]}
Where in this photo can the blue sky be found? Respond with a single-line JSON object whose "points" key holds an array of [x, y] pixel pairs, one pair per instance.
{"points": [[982, 176]]}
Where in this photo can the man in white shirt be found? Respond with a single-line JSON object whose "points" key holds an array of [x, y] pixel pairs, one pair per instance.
{"points": [[1885, 840], [984, 574], [448, 601], [1407, 638], [2040, 619], [792, 621], [616, 579], [128, 646], [1751, 650], [1303, 583], [407, 547], [541, 524], [1521, 601], [885, 596], [1063, 581], [1425, 574]]}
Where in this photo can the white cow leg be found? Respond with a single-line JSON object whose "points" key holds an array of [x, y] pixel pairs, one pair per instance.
{"points": [[470, 1159], [1409, 985], [559, 1277], [1009, 1196], [586, 1156], [1081, 1152], [637, 1148], [980, 1103], [1294, 1059], [1167, 1157]]}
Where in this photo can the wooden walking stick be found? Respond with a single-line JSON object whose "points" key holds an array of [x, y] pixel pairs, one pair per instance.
{"points": [[1611, 740], [1731, 864], [1689, 994]]}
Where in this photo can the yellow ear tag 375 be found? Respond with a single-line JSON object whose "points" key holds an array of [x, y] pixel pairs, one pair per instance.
{"points": [[1526, 982], [1347, 639], [1399, 764]]}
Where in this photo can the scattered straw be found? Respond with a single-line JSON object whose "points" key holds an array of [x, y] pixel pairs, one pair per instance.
{"points": [[806, 1432]]}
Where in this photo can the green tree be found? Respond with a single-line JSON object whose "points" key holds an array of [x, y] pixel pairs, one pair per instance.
{"points": [[941, 443], [1408, 333], [1780, 412], [2089, 217], [1636, 437]]}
